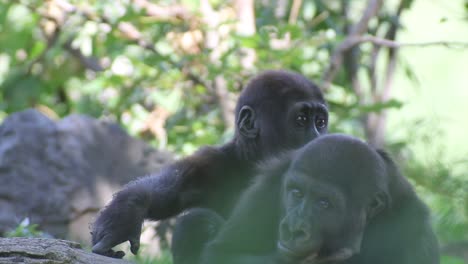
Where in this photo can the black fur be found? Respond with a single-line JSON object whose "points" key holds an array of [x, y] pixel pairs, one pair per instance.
{"points": [[336, 200], [277, 110]]}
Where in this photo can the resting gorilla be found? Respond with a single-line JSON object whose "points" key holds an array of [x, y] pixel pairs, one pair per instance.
{"points": [[336, 200], [277, 110]]}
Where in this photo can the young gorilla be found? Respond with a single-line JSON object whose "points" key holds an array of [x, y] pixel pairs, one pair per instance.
{"points": [[336, 200], [277, 110]]}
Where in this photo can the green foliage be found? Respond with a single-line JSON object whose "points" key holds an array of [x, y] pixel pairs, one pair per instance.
{"points": [[91, 61], [451, 260], [165, 258], [444, 187], [25, 229]]}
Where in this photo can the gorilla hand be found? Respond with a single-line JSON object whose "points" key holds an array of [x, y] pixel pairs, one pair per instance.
{"points": [[338, 256], [120, 221]]}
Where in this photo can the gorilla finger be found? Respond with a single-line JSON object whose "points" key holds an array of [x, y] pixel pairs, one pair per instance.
{"points": [[118, 254], [111, 253], [102, 247], [134, 245]]}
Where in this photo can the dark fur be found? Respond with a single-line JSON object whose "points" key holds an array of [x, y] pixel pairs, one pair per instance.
{"points": [[382, 220], [214, 177]]}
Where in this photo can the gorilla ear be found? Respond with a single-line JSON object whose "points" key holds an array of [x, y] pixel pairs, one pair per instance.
{"points": [[377, 205], [247, 123]]}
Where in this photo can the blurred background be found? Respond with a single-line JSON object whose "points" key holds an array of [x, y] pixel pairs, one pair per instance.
{"points": [[394, 73]]}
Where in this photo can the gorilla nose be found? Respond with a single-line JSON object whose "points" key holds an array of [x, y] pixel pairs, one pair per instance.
{"points": [[296, 242], [293, 234]]}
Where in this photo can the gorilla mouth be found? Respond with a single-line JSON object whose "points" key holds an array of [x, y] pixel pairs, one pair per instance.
{"points": [[318, 256], [339, 255], [293, 253]]}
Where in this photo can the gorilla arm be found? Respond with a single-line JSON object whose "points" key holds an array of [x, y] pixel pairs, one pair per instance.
{"points": [[249, 235], [153, 197]]}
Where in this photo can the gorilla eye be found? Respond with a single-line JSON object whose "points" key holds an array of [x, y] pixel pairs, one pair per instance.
{"points": [[320, 122], [324, 203], [301, 120], [297, 193]]}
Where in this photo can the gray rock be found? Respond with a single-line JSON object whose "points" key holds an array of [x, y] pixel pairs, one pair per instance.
{"points": [[59, 174]]}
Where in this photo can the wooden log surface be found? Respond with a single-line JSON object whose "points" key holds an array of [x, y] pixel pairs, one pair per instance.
{"points": [[48, 251]]}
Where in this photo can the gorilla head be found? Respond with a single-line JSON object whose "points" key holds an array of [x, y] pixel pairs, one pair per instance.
{"points": [[278, 110], [329, 199]]}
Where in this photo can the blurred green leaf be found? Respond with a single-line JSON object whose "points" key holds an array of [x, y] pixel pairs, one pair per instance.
{"points": [[26, 229], [249, 41], [451, 260], [378, 107]]}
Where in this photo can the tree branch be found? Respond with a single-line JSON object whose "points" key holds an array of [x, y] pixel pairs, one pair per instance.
{"points": [[396, 45], [373, 7], [376, 123], [293, 15], [351, 41]]}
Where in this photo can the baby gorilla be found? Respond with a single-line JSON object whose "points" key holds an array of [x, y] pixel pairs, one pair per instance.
{"points": [[336, 200], [276, 111]]}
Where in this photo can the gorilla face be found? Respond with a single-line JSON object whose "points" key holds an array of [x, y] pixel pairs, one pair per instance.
{"points": [[325, 206], [280, 110]]}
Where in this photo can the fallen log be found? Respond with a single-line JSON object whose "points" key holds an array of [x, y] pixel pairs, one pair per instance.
{"points": [[48, 251]]}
